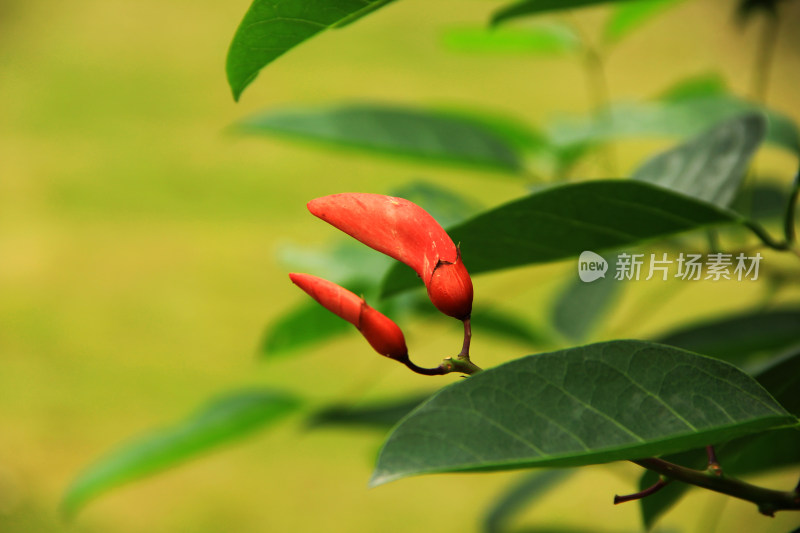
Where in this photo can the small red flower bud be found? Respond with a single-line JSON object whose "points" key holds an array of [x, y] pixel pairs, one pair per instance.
{"points": [[380, 331], [406, 232]]}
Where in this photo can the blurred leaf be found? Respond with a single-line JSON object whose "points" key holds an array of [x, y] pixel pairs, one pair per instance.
{"points": [[221, 421], [549, 39], [744, 456], [748, 8], [534, 7], [762, 200], [712, 165], [304, 326], [627, 16], [272, 27], [674, 118], [581, 306], [592, 404], [358, 15], [563, 221], [531, 486], [506, 325], [348, 263], [736, 338], [446, 206], [702, 86], [379, 415], [419, 134]]}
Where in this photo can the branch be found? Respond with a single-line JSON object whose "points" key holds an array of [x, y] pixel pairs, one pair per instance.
{"points": [[768, 501]]}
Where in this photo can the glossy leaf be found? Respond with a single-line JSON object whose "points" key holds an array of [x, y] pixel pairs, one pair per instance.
{"points": [[221, 421], [592, 404], [674, 118], [744, 456], [414, 133], [527, 8], [379, 415], [519, 496], [563, 221], [549, 39], [737, 338], [712, 165], [270, 28], [627, 16], [581, 306]]}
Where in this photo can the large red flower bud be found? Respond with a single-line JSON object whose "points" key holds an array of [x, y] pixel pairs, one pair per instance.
{"points": [[380, 331], [406, 232], [450, 289]]}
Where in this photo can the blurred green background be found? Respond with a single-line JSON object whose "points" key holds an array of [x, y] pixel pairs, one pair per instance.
{"points": [[138, 267]]}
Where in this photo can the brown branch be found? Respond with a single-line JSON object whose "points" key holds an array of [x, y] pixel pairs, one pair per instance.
{"points": [[768, 501]]}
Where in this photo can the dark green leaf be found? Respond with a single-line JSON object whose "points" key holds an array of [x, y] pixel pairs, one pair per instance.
{"points": [[675, 118], [710, 166], [762, 200], [221, 421], [519, 496], [272, 27], [306, 325], [381, 416], [627, 16], [414, 133], [534, 7], [593, 404], [737, 338], [563, 221], [581, 306], [744, 456], [549, 39]]}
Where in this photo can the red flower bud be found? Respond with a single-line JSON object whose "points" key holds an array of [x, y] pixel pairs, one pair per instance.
{"points": [[406, 232], [450, 289], [380, 331]]}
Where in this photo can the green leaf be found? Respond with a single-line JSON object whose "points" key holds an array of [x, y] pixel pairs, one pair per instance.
{"points": [[306, 325], [413, 133], [628, 16], [581, 306], [673, 118], [379, 415], [549, 39], [565, 220], [701, 86], [744, 456], [518, 497], [712, 165], [762, 200], [358, 15], [506, 325], [272, 27], [221, 421], [593, 404], [535, 7], [738, 338]]}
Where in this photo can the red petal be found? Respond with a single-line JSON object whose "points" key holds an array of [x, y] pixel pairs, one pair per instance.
{"points": [[394, 226], [450, 289]]}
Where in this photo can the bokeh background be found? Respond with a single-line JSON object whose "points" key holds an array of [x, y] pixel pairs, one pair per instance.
{"points": [[139, 236]]}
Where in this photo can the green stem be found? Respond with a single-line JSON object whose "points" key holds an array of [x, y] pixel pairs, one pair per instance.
{"points": [[788, 222], [768, 501]]}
